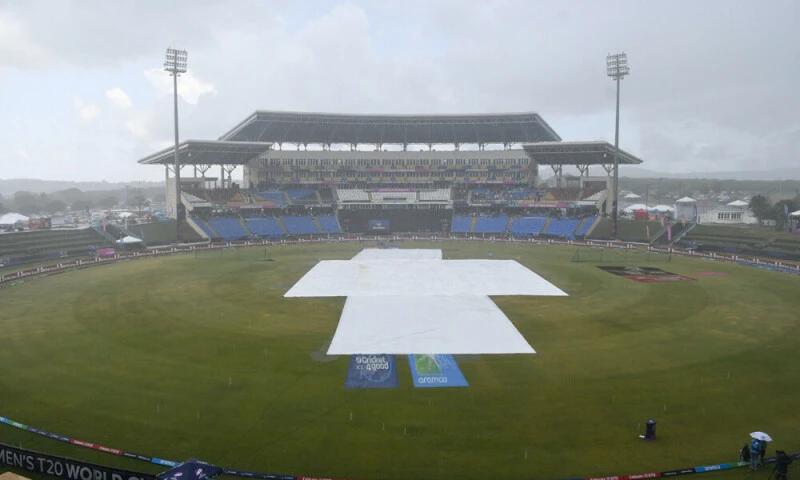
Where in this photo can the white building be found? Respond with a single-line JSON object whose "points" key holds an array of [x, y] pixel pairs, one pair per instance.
{"points": [[736, 212]]}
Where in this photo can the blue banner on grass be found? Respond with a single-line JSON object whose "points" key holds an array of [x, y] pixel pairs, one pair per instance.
{"points": [[429, 371], [372, 371]]}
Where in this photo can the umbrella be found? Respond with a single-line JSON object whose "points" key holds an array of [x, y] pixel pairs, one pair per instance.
{"points": [[761, 436]]}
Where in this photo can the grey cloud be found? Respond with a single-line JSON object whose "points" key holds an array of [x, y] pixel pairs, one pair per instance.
{"points": [[711, 84]]}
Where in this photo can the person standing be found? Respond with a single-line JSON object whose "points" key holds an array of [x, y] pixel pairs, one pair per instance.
{"points": [[762, 451], [755, 453]]}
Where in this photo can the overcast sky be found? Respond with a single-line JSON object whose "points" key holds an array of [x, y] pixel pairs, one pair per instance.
{"points": [[713, 85]]}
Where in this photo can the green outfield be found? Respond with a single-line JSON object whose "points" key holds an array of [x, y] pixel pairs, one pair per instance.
{"points": [[202, 356]]}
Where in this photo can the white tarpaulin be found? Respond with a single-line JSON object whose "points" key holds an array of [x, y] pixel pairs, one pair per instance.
{"points": [[412, 302], [425, 325], [369, 278]]}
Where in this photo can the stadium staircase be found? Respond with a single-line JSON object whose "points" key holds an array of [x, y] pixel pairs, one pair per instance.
{"points": [[592, 227], [329, 224], [584, 227], [546, 224], [316, 220], [194, 223], [580, 226], [104, 234], [206, 228], [686, 230], [660, 234], [472, 224], [508, 225], [283, 227], [244, 225], [128, 232]]}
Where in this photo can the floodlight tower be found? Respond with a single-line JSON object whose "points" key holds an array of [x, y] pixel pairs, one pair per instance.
{"points": [[175, 64], [617, 66]]}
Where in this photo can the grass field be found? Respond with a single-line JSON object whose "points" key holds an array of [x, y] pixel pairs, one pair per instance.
{"points": [[202, 356]]}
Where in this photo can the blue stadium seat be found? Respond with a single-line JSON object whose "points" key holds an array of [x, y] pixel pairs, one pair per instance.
{"points": [[273, 196], [461, 224], [329, 224], [527, 226], [301, 193], [565, 228], [205, 228], [228, 228], [300, 225], [491, 224], [587, 224], [265, 227]]}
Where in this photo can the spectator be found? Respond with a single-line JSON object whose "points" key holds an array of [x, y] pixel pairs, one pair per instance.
{"points": [[755, 453]]}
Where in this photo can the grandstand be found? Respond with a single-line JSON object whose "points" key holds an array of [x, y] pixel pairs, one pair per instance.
{"points": [[300, 225], [265, 227], [491, 224], [46, 245], [743, 240], [407, 172], [527, 226]]}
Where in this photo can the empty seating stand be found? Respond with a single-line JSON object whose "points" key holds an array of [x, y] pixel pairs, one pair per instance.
{"points": [[302, 195], [205, 228], [300, 225], [496, 224], [228, 228], [273, 196], [352, 195], [461, 224], [265, 227], [528, 226], [438, 195], [329, 224], [587, 224], [562, 228]]}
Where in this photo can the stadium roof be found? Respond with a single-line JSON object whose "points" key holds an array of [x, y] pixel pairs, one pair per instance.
{"points": [[331, 128], [577, 153], [208, 152]]}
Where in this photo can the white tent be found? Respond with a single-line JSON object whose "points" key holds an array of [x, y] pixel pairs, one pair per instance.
{"points": [[631, 196], [662, 209], [636, 207], [125, 214], [129, 240], [686, 200], [795, 214], [738, 203], [13, 219]]}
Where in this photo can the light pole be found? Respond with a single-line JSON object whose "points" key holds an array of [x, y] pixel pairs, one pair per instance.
{"points": [[617, 66], [175, 64]]}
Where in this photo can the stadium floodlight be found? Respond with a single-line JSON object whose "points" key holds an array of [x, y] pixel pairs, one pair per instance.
{"points": [[617, 66], [175, 64]]}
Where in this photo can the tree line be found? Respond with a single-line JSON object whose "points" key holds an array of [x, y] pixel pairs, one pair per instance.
{"points": [[33, 203], [764, 209]]}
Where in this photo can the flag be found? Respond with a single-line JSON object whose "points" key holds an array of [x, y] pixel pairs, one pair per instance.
{"points": [[669, 233], [662, 220], [104, 224], [142, 233], [694, 208], [683, 219], [785, 209], [647, 227]]}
